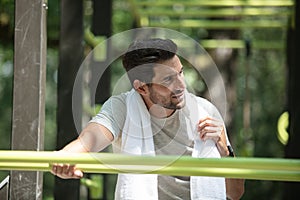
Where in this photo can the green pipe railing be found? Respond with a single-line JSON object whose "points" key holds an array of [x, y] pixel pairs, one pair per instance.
{"points": [[219, 3], [247, 168]]}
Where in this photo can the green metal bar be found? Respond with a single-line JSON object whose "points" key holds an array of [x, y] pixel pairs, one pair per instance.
{"points": [[24, 166], [279, 175], [275, 175], [239, 44], [217, 3], [155, 11], [247, 168], [120, 159], [219, 24]]}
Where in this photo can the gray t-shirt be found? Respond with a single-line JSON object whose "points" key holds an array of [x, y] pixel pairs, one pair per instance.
{"points": [[170, 138]]}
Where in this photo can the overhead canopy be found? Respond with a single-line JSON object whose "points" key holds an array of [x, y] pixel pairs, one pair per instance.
{"points": [[215, 14]]}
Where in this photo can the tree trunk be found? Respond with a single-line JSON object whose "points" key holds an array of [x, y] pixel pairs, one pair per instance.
{"points": [[292, 149], [70, 58]]}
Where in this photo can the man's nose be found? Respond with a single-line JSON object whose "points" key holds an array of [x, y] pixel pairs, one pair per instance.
{"points": [[179, 83]]}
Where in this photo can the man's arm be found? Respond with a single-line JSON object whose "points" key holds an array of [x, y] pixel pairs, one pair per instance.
{"points": [[213, 129], [234, 188], [93, 138]]}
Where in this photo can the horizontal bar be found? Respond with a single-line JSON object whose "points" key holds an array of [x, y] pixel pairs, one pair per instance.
{"points": [[239, 44], [117, 159], [217, 3], [272, 175], [247, 168], [218, 24], [121, 159], [155, 11]]}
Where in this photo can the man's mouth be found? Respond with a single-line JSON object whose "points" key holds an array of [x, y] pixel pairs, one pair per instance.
{"points": [[179, 96]]}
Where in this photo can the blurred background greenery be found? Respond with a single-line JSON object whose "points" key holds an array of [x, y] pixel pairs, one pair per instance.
{"points": [[266, 81]]}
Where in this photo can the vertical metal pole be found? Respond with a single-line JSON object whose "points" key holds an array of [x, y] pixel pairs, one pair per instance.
{"points": [[28, 93]]}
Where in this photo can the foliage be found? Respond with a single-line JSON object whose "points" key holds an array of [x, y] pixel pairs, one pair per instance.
{"points": [[266, 83], [6, 71], [268, 101]]}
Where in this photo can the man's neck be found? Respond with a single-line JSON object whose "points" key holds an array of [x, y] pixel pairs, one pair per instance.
{"points": [[157, 110], [160, 112]]}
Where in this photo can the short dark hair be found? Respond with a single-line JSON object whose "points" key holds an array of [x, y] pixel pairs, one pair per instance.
{"points": [[142, 55]]}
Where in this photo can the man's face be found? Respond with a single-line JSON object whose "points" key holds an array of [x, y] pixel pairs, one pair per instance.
{"points": [[167, 88]]}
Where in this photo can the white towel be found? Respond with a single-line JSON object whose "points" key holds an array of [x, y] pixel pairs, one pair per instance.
{"points": [[137, 139]]}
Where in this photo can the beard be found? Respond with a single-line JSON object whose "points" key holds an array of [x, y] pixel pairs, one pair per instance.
{"points": [[170, 101]]}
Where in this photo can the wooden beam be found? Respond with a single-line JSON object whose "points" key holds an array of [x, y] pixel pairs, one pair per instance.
{"points": [[28, 93], [4, 189]]}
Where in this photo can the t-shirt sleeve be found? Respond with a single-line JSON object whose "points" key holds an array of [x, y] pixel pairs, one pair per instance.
{"points": [[112, 114]]}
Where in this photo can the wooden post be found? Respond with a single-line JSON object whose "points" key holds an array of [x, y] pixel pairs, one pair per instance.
{"points": [[4, 189], [70, 58], [28, 93]]}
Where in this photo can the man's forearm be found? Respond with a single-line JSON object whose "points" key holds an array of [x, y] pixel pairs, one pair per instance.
{"points": [[76, 146]]}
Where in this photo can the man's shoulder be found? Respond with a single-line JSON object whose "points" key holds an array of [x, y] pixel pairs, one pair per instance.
{"points": [[204, 104], [119, 97], [201, 100], [115, 102], [207, 105]]}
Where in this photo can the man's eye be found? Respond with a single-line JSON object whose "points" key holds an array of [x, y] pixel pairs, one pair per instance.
{"points": [[167, 79]]}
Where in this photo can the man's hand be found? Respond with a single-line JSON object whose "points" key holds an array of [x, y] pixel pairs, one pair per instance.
{"points": [[66, 171], [93, 138], [213, 129], [234, 188]]}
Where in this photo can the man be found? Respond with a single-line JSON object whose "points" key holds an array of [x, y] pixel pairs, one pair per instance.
{"points": [[157, 117]]}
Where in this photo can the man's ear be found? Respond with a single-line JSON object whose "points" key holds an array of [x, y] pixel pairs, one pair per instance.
{"points": [[140, 87]]}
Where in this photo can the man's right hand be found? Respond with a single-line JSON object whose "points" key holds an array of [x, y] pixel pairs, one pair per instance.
{"points": [[66, 171], [93, 138]]}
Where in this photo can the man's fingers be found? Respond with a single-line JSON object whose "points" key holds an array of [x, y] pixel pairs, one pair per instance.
{"points": [[208, 132], [209, 123], [66, 171], [54, 169], [59, 169], [78, 173], [210, 128], [211, 136]]}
